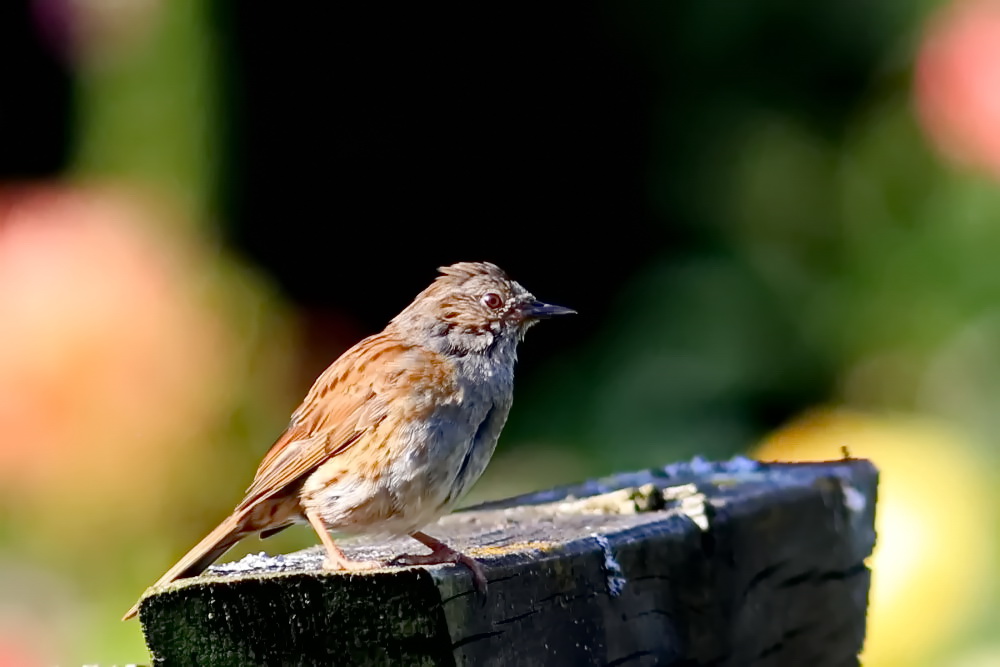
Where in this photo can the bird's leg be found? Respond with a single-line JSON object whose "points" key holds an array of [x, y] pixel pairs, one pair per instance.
{"points": [[442, 553], [335, 558]]}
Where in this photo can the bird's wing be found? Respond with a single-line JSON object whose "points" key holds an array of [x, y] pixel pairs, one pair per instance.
{"points": [[351, 398]]}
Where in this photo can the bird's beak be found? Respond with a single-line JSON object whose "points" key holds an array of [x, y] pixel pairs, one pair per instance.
{"points": [[536, 310]]}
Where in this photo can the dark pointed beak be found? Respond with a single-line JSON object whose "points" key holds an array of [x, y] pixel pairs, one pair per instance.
{"points": [[539, 311]]}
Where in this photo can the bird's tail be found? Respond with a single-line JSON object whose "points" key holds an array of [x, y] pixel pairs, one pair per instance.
{"points": [[206, 552]]}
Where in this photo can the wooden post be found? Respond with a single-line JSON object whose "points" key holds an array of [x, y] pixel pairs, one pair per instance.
{"points": [[727, 564]]}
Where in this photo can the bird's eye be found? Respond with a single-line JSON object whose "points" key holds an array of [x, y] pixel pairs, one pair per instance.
{"points": [[492, 301]]}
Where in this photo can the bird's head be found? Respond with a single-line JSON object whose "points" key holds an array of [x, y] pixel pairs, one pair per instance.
{"points": [[472, 305]]}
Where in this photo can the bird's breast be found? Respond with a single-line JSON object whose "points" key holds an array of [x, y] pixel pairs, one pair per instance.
{"points": [[432, 447]]}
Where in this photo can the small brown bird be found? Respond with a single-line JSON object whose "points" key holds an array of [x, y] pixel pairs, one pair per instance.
{"points": [[396, 430]]}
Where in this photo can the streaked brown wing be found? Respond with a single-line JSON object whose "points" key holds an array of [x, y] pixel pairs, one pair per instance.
{"points": [[344, 402]]}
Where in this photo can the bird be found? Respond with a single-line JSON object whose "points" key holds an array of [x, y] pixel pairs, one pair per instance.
{"points": [[395, 431]]}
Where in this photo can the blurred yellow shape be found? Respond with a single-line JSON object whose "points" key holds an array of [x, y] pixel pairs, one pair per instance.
{"points": [[931, 566]]}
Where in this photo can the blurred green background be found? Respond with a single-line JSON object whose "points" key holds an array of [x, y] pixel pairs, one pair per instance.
{"points": [[778, 221]]}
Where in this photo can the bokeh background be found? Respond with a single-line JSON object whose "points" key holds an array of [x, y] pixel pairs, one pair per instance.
{"points": [[778, 220]]}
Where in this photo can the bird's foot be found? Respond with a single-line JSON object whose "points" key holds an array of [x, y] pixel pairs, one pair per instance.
{"points": [[441, 554], [345, 564]]}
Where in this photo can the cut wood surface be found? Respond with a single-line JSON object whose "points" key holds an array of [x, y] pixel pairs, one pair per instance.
{"points": [[736, 563]]}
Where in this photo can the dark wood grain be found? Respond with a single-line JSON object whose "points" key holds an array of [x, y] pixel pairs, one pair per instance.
{"points": [[731, 564]]}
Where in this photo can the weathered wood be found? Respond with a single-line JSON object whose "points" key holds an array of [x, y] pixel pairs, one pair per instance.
{"points": [[737, 563]]}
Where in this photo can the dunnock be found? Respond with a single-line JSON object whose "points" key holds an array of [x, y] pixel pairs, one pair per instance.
{"points": [[396, 430]]}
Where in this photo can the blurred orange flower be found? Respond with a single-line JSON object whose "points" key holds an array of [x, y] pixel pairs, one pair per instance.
{"points": [[14, 653], [106, 353]]}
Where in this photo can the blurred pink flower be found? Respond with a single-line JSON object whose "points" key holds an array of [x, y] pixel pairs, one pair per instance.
{"points": [[957, 83], [75, 29], [55, 22]]}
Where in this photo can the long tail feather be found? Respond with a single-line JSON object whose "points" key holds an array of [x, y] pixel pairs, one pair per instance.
{"points": [[206, 552]]}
